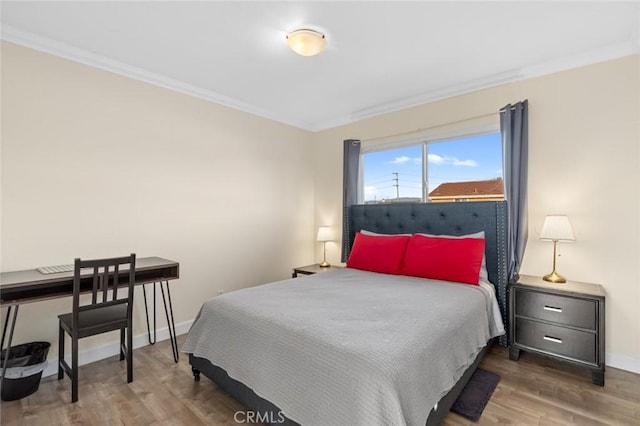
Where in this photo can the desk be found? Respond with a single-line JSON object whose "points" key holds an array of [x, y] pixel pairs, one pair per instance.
{"points": [[30, 286]]}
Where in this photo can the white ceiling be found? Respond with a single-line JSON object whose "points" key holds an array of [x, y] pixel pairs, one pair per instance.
{"points": [[381, 56]]}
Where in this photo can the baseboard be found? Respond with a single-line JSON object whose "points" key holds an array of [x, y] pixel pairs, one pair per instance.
{"points": [[623, 362], [111, 349]]}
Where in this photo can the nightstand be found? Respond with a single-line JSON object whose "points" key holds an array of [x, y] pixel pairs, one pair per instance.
{"points": [[561, 321], [311, 269]]}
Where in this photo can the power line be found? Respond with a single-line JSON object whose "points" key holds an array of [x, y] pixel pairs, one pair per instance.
{"points": [[402, 178], [412, 174], [385, 176], [370, 182]]}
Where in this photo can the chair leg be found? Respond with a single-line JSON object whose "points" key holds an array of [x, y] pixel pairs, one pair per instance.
{"points": [[74, 369], [122, 347], [60, 353], [129, 354]]}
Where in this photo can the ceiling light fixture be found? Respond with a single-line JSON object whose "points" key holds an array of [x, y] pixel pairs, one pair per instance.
{"points": [[306, 42]]}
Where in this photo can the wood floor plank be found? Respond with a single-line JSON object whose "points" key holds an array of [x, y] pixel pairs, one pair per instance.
{"points": [[533, 391]]}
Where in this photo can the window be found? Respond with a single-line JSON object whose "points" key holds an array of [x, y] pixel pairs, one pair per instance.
{"points": [[463, 169]]}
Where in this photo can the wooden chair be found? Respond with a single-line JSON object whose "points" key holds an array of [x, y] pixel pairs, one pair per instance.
{"points": [[100, 315]]}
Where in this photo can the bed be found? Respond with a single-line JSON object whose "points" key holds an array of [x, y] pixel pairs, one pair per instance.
{"points": [[358, 347]]}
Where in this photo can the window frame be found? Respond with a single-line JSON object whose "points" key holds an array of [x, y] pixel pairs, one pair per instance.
{"points": [[423, 141]]}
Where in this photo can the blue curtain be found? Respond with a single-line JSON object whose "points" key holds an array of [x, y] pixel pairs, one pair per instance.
{"points": [[514, 129], [351, 161]]}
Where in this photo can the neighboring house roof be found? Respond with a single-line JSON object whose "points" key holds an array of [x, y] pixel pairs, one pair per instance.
{"points": [[469, 189]]}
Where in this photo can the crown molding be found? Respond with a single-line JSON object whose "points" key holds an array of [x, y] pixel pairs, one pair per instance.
{"points": [[606, 53], [47, 45], [436, 95], [414, 101], [594, 56], [637, 35], [72, 53]]}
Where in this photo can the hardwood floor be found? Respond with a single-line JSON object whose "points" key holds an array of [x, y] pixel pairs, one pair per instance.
{"points": [[532, 391]]}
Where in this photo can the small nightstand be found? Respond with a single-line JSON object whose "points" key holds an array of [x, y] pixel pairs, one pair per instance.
{"points": [[561, 321], [311, 269]]}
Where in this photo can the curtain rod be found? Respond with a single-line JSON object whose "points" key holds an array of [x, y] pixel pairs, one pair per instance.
{"points": [[422, 129]]}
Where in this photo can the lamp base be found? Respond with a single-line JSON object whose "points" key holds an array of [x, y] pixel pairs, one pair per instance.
{"points": [[324, 264], [554, 277]]}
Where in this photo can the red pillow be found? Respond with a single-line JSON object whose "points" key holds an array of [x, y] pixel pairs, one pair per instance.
{"points": [[446, 259], [378, 254]]}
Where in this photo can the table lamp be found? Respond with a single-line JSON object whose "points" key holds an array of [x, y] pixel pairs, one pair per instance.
{"points": [[556, 228], [324, 235]]}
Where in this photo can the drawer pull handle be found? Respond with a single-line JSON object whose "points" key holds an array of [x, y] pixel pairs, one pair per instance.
{"points": [[552, 309], [552, 339]]}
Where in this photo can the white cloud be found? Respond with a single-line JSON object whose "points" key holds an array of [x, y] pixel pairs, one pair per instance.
{"points": [[370, 189], [454, 161], [466, 163], [404, 159], [435, 159], [399, 160]]}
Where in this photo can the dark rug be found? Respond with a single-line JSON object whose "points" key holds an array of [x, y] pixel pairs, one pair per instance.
{"points": [[476, 394]]}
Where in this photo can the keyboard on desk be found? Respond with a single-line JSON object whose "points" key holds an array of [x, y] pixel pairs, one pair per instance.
{"points": [[55, 269]]}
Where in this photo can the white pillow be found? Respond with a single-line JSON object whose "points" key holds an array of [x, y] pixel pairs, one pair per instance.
{"points": [[484, 275], [375, 234]]}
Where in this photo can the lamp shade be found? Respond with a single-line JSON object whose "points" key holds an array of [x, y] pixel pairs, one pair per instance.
{"points": [[324, 234], [557, 227], [306, 42]]}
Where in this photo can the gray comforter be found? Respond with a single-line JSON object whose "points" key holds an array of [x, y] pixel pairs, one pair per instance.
{"points": [[347, 347]]}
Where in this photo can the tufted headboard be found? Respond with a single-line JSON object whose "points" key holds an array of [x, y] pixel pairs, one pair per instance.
{"points": [[443, 218]]}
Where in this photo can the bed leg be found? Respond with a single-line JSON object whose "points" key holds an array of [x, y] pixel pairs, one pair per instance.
{"points": [[514, 354], [597, 377], [196, 374]]}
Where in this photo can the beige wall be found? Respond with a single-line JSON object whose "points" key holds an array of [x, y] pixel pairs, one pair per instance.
{"points": [[232, 196], [584, 160], [95, 164]]}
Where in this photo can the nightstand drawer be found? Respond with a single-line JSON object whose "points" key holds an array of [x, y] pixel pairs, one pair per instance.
{"points": [[575, 344], [559, 309]]}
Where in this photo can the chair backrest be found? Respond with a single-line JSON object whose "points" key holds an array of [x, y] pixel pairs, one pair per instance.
{"points": [[107, 275]]}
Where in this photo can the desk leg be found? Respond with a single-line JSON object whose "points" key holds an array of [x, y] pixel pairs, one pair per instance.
{"points": [[4, 331], [146, 313], [170, 322], [168, 310]]}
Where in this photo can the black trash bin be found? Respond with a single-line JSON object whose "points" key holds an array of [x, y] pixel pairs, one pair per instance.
{"points": [[24, 369]]}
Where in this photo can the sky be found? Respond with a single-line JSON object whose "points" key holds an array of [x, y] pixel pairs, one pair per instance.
{"points": [[465, 159]]}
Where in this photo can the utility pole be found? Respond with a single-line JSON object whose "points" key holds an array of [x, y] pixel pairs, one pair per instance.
{"points": [[397, 185]]}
